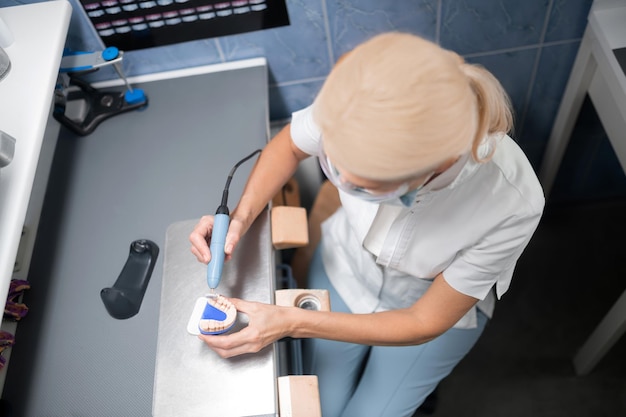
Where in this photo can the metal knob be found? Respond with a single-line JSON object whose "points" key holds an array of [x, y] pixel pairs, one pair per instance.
{"points": [[7, 148]]}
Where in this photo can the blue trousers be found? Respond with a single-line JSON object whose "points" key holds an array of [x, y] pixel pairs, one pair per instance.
{"points": [[376, 381]]}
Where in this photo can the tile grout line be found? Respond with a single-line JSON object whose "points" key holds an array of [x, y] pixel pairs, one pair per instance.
{"points": [[438, 22], [533, 75], [220, 52], [521, 48], [474, 55], [329, 44]]}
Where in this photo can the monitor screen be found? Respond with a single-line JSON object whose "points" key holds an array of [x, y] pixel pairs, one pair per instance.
{"points": [[138, 24]]}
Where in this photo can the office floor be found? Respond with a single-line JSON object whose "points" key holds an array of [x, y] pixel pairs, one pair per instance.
{"points": [[567, 279]]}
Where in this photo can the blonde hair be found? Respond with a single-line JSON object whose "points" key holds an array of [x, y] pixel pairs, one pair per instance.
{"points": [[398, 106]]}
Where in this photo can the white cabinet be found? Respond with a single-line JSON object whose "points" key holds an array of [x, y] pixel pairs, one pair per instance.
{"points": [[39, 31]]}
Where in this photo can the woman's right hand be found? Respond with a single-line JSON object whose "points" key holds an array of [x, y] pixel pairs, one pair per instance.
{"points": [[200, 238]]}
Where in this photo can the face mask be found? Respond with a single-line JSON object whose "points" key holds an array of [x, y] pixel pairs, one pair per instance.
{"points": [[405, 200], [408, 198]]}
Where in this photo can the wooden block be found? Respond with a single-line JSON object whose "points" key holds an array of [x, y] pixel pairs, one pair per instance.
{"points": [[289, 227], [305, 298], [299, 396]]}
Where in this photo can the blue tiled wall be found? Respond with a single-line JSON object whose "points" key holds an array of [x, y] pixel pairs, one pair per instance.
{"points": [[529, 45]]}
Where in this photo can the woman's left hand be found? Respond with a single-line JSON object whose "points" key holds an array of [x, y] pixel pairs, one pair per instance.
{"points": [[267, 323]]}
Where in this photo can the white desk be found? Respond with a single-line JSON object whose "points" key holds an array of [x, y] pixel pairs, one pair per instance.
{"points": [[596, 72], [39, 31]]}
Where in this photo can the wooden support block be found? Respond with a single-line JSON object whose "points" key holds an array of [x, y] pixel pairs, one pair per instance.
{"points": [[289, 227], [298, 396], [304, 298]]}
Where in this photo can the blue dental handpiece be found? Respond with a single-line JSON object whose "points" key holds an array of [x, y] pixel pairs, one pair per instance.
{"points": [[218, 240], [220, 228]]}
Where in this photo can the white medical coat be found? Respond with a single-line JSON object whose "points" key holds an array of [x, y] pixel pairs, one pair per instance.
{"points": [[470, 223]]}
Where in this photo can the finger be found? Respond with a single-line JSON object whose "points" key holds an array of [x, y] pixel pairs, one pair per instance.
{"points": [[222, 345], [199, 238], [234, 344], [231, 241], [233, 236], [199, 256], [241, 305], [200, 235]]}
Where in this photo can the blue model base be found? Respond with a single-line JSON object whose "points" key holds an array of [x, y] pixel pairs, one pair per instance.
{"points": [[212, 313]]}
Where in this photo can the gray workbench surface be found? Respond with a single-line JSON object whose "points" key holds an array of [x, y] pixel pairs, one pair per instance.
{"points": [[137, 174], [191, 380]]}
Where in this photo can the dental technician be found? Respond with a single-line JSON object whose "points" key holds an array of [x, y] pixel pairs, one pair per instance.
{"points": [[437, 205]]}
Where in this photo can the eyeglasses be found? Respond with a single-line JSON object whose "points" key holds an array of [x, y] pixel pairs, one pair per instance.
{"points": [[373, 196]]}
